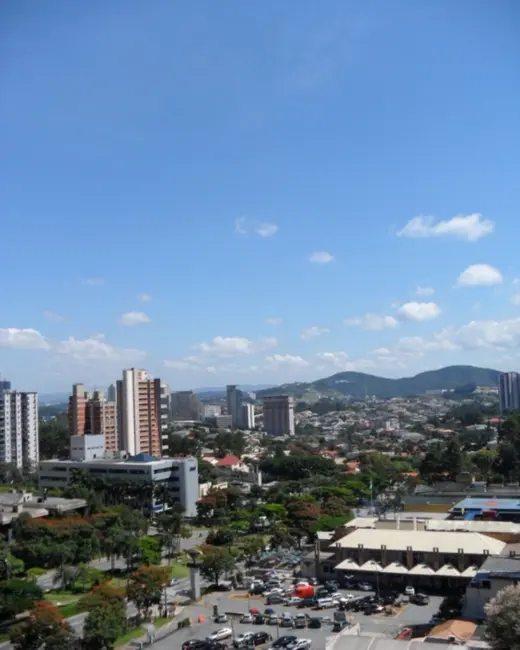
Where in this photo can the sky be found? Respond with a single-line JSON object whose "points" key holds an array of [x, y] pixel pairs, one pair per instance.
{"points": [[257, 192]]}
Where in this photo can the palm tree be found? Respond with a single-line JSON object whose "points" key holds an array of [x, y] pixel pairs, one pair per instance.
{"points": [[66, 575]]}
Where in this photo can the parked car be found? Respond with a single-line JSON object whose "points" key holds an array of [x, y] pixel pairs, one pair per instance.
{"points": [[245, 639], [307, 602], [286, 620], [293, 601], [409, 590], [275, 599], [247, 618], [337, 626], [324, 603], [285, 641], [259, 619], [221, 618], [419, 599], [301, 644], [313, 581], [364, 586], [261, 637], [195, 644], [314, 623], [272, 619], [219, 635], [300, 621]]}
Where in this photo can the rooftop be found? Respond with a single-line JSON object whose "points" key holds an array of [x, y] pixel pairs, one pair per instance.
{"points": [[422, 541], [482, 503]]}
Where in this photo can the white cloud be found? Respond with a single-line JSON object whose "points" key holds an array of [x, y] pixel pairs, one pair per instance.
{"points": [[181, 364], [144, 297], [93, 282], [321, 257], [313, 332], [266, 229], [23, 339], [375, 322], [470, 227], [53, 316], [263, 229], [240, 226], [274, 321], [287, 360], [341, 361], [479, 275], [96, 348], [132, 318], [424, 291], [381, 352], [515, 299], [417, 345], [487, 334], [418, 311], [228, 346]]}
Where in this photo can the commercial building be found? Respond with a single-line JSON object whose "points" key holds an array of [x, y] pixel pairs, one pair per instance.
{"points": [[480, 508], [179, 475], [5, 384], [185, 405], [18, 428], [495, 574], [248, 416], [509, 391], [279, 415], [142, 412], [90, 413], [234, 405], [89, 447]]}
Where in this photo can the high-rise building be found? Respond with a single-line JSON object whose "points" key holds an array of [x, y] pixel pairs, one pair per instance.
{"points": [[247, 419], [509, 391], [91, 414], [18, 428], [5, 385], [185, 405], [142, 408], [111, 393], [279, 415], [234, 404]]}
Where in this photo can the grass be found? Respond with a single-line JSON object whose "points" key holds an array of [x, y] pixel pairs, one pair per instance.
{"points": [[135, 633], [159, 622], [62, 598], [68, 610], [179, 570]]}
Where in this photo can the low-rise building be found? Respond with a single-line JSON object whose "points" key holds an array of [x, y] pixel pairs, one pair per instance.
{"points": [[179, 475], [495, 574]]}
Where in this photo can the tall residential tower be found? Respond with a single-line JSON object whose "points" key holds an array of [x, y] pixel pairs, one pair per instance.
{"points": [[18, 428], [509, 391], [279, 415]]}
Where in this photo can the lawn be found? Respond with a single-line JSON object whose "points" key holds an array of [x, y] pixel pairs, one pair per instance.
{"points": [[179, 570], [60, 598], [130, 636]]}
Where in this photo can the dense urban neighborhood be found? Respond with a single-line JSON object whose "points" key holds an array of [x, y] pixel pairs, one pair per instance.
{"points": [[242, 519]]}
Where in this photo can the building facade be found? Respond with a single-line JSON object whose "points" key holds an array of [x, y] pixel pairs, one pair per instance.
{"points": [[90, 413], [248, 416], [19, 428], [88, 447], [142, 412], [509, 391], [279, 415], [5, 384], [185, 405], [179, 475]]}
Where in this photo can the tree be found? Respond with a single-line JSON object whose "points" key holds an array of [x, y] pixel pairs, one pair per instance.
{"points": [[17, 596], [54, 439], [302, 517], [251, 546], [65, 576], [216, 561], [45, 629], [503, 619], [145, 587], [106, 619]]}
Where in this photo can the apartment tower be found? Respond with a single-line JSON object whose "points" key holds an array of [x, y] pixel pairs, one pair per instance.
{"points": [[509, 391], [91, 414], [142, 412], [279, 415], [19, 428]]}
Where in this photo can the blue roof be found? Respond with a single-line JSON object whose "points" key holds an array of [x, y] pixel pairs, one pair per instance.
{"points": [[482, 503], [140, 458]]}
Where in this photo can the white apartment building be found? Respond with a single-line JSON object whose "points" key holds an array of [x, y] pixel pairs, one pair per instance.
{"points": [[18, 428], [248, 416], [509, 391]]}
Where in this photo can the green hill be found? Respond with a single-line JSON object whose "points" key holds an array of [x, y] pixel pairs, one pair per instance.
{"points": [[359, 384]]}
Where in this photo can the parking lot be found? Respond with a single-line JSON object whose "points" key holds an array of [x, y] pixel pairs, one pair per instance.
{"points": [[239, 603]]}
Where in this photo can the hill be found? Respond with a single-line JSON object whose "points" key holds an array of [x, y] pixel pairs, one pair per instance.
{"points": [[359, 384]]}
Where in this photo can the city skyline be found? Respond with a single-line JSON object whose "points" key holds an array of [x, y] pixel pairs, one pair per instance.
{"points": [[275, 194]]}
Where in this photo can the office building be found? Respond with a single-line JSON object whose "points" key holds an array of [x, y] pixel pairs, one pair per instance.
{"points": [[5, 385], [18, 428], [247, 419], [179, 475], [91, 414], [211, 410], [234, 405], [509, 391], [111, 393], [185, 405], [142, 412], [88, 447], [279, 415]]}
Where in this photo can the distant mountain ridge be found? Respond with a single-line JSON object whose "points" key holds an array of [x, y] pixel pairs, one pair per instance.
{"points": [[359, 384]]}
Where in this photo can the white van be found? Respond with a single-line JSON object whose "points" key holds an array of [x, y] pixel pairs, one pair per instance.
{"points": [[323, 603]]}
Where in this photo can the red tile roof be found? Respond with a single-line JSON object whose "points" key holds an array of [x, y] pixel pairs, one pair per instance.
{"points": [[228, 461]]}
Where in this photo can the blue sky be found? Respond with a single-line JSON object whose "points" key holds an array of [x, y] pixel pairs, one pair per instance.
{"points": [[257, 192]]}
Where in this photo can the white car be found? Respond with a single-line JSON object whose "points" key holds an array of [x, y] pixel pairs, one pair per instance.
{"points": [[301, 644], [336, 596], [247, 618], [409, 590], [365, 586], [221, 618], [244, 638], [294, 600], [220, 635], [347, 598]]}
